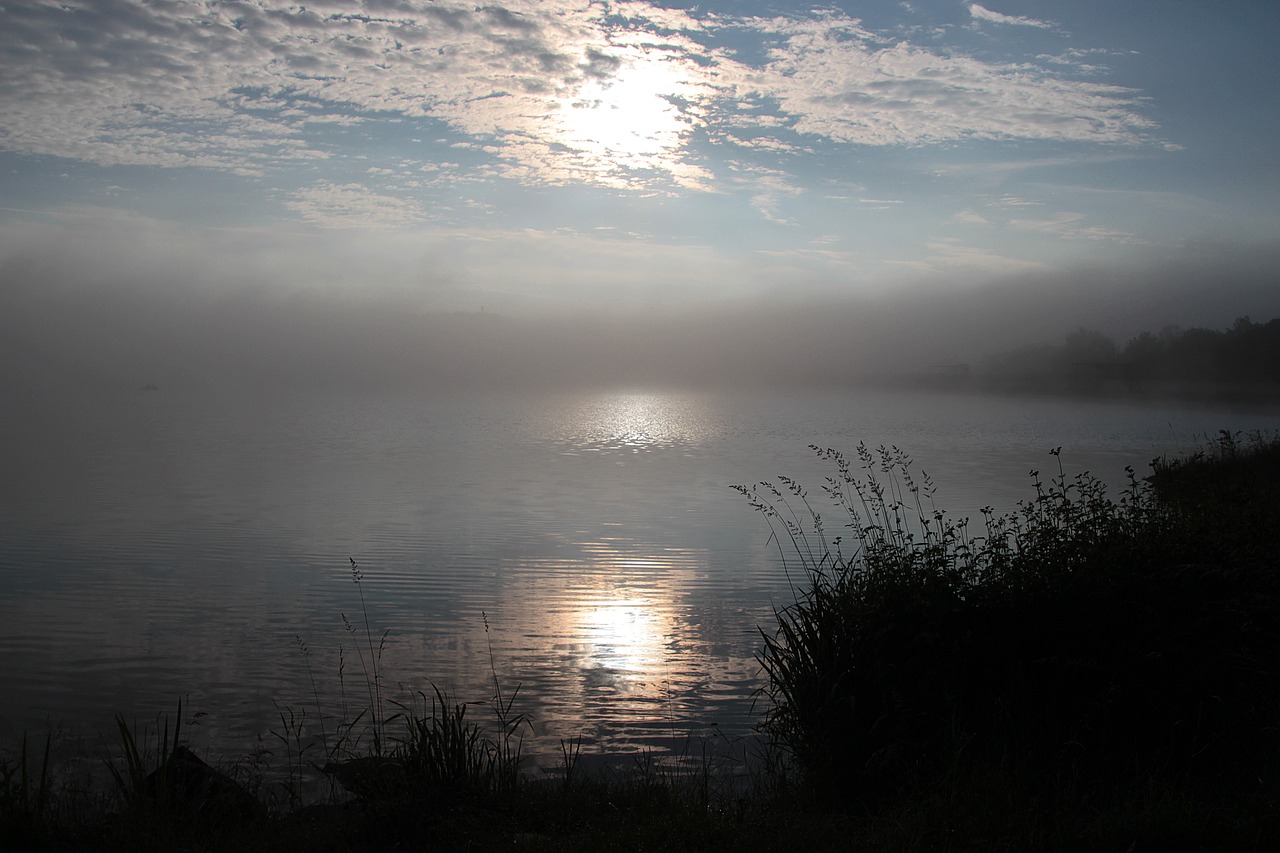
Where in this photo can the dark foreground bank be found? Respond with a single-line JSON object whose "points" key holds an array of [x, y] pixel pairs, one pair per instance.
{"points": [[1088, 673]]}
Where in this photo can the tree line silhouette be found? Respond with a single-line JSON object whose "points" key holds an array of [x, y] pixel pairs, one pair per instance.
{"points": [[1240, 362]]}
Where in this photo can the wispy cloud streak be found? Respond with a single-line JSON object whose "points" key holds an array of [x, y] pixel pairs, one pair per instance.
{"points": [[981, 13]]}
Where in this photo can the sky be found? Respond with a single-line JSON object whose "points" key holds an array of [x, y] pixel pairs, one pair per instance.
{"points": [[955, 174]]}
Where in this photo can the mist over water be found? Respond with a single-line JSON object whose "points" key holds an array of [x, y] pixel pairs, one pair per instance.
{"points": [[589, 540], [80, 329]]}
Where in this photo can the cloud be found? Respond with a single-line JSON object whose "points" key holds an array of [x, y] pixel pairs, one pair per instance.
{"points": [[981, 13], [333, 205], [1070, 226], [540, 92], [944, 254], [970, 217], [242, 85], [1007, 166], [1078, 59], [1015, 201], [844, 84], [767, 189]]}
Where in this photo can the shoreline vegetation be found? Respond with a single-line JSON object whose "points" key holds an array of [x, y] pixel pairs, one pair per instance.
{"points": [[1087, 672], [1236, 366]]}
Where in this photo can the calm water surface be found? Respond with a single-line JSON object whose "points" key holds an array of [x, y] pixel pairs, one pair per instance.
{"points": [[185, 547]]}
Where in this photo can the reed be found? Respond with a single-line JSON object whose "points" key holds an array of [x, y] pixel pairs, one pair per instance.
{"points": [[445, 753], [25, 791], [371, 665], [139, 787]]}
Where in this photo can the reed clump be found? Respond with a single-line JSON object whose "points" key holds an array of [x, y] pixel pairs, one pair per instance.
{"points": [[1080, 648], [424, 750], [25, 792]]}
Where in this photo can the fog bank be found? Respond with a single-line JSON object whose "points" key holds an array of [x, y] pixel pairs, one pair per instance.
{"points": [[69, 332]]}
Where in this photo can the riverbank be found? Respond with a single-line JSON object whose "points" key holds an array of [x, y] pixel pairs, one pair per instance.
{"points": [[1108, 681]]}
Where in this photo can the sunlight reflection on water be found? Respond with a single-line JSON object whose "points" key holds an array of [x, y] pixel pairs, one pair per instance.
{"points": [[636, 422]]}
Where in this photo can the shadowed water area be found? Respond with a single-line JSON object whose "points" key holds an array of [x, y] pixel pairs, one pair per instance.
{"points": [[584, 547]]}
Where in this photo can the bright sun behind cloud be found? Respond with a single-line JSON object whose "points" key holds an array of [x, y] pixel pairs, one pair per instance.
{"points": [[629, 120]]}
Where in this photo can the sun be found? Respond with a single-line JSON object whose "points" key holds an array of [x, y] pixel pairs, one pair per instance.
{"points": [[632, 119]]}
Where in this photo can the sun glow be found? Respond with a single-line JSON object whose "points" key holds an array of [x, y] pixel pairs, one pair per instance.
{"points": [[634, 119]]}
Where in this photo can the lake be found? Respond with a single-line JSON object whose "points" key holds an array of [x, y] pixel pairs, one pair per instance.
{"points": [[584, 547]]}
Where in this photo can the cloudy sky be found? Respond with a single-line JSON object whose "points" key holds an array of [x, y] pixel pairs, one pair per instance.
{"points": [[552, 156]]}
